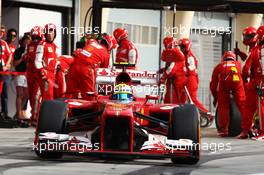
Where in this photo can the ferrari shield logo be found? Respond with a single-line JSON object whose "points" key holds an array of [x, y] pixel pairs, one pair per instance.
{"points": [[89, 49], [50, 49]]}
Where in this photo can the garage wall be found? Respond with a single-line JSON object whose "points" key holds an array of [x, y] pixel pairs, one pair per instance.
{"points": [[61, 3], [143, 27], [26, 15], [10, 18], [241, 22], [207, 35]]}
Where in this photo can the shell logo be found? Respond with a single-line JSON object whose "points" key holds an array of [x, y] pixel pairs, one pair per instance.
{"points": [[166, 107], [75, 103]]}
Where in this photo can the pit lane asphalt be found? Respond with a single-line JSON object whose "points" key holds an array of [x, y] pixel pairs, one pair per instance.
{"points": [[236, 157]]}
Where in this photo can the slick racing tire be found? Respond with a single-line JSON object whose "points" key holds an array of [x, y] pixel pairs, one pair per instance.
{"points": [[234, 127], [52, 117], [184, 124]]}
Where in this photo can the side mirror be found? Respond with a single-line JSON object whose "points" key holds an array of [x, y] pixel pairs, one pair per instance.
{"points": [[151, 97], [92, 94]]}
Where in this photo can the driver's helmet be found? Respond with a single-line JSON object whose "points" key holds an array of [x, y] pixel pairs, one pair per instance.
{"points": [[123, 92]]}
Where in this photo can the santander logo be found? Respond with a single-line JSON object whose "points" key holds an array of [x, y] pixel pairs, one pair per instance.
{"points": [[132, 73]]}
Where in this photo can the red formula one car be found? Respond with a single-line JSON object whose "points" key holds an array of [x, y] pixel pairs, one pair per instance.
{"points": [[119, 124]]}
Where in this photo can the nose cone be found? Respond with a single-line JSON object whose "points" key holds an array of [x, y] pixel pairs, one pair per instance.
{"points": [[118, 110]]}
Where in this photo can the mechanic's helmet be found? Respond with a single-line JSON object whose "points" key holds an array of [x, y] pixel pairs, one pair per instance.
{"points": [[120, 33], [109, 41], [260, 35], [170, 42], [123, 92], [185, 45], [249, 35], [229, 56], [50, 27], [100, 35], [36, 33]]}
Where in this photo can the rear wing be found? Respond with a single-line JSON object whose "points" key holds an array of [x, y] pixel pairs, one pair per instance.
{"points": [[109, 75], [123, 65]]}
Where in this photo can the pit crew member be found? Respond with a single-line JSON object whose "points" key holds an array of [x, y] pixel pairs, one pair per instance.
{"points": [[227, 80], [63, 65], [174, 75], [191, 65], [82, 75], [126, 51], [253, 68], [45, 62], [32, 75]]}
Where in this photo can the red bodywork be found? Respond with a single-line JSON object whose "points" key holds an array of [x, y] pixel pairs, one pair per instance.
{"points": [[116, 114]]}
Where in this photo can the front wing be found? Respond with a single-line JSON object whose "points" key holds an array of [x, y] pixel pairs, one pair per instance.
{"points": [[153, 148]]}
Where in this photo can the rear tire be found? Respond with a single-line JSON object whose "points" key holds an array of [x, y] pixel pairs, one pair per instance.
{"points": [[52, 117], [184, 124]]}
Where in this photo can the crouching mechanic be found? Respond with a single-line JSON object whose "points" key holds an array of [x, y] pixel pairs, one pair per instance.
{"points": [[45, 62], [227, 80], [82, 74], [126, 51], [174, 75], [253, 68], [63, 65]]}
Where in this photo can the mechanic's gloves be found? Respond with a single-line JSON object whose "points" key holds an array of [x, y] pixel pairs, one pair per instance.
{"points": [[43, 73], [162, 79], [260, 91], [58, 68], [214, 102], [237, 51], [242, 55], [245, 79], [161, 70]]}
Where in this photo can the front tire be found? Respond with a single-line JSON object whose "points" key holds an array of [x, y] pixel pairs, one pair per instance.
{"points": [[184, 124], [52, 118]]}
